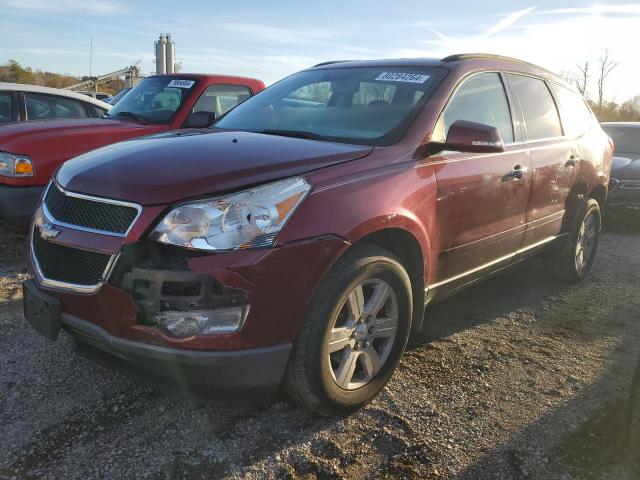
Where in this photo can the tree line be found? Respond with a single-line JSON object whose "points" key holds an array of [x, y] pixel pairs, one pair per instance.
{"points": [[13, 72], [596, 73]]}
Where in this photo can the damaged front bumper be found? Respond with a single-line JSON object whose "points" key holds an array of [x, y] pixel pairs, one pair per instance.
{"points": [[117, 324]]}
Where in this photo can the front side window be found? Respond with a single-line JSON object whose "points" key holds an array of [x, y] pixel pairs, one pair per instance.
{"points": [[361, 105], [154, 99], [42, 107], [219, 99], [576, 116], [538, 108], [480, 99], [6, 107]]}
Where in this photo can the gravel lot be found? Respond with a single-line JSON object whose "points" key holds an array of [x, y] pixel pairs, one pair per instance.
{"points": [[521, 377]]}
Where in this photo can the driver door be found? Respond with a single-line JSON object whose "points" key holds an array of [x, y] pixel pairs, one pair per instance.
{"points": [[481, 198]]}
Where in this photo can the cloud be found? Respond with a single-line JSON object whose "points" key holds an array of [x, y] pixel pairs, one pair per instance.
{"points": [[97, 7], [509, 20]]}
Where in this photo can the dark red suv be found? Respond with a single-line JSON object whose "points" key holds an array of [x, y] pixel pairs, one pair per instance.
{"points": [[297, 242]]}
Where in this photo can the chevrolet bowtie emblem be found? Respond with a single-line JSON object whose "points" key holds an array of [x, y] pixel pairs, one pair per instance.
{"points": [[47, 232]]}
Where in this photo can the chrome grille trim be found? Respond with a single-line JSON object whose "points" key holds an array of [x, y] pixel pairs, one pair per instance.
{"points": [[52, 219]]}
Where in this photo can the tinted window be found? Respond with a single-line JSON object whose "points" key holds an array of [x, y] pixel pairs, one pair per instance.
{"points": [[219, 99], [480, 99], [5, 107], [576, 116], [155, 99], [42, 107], [362, 105], [538, 108], [626, 139]]}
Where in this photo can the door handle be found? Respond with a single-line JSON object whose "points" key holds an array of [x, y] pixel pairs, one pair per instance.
{"points": [[573, 161], [515, 174]]}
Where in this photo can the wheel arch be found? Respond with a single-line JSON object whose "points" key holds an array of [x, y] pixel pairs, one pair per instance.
{"points": [[599, 194], [405, 246]]}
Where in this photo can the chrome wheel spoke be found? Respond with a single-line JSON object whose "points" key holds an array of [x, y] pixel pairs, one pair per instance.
{"points": [[347, 366], [385, 327], [355, 302], [379, 299], [371, 362], [339, 338]]}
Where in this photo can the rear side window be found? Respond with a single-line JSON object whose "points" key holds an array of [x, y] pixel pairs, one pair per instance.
{"points": [[538, 108], [576, 116], [42, 107], [5, 107], [219, 99], [480, 99]]}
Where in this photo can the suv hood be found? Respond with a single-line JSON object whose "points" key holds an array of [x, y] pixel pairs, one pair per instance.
{"points": [[169, 167], [626, 166]]}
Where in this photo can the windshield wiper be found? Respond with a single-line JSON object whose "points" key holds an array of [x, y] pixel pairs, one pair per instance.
{"points": [[140, 118], [293, 133]]}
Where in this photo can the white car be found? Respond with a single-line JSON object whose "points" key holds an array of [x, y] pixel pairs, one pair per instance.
{"points": [[21, 103]]}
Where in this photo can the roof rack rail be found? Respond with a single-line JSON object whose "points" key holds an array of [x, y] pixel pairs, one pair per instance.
{"points": [[490, 56], [330, 62]]}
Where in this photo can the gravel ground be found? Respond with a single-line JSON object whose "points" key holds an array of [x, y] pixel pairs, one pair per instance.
{"points": [[521, 377]]}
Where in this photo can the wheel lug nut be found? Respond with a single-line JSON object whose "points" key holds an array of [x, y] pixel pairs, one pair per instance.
{"points": [[365, 344], [371, 329]]}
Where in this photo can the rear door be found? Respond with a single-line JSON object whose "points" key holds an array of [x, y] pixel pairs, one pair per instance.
{"points": [[481, 205], [554, 158]]}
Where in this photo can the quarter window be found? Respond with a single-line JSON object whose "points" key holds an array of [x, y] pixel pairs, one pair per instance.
{"points": [[5, 107], [41, 107], [538, 108], [219, 99], [480, 99], [576, 116]]}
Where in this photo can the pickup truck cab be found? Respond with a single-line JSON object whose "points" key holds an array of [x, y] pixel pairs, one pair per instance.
{"points": [[30, 152]]}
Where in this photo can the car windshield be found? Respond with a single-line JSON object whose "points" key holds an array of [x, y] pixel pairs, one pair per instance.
{"points": [[154, 99], [626, 139], [361, 105]]}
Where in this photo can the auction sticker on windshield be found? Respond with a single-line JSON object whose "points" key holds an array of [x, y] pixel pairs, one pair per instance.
{"points": [[181, 83], [402, 77]]}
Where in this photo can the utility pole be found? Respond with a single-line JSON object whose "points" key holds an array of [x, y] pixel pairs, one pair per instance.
{"points": [[95, 87]]}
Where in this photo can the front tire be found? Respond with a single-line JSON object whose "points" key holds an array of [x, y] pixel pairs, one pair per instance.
{"points": [[354, 333], [578, 250]]}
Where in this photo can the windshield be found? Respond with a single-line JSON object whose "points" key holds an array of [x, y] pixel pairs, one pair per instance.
{"points": [[154, 99], [363, 105], [625, 139]]}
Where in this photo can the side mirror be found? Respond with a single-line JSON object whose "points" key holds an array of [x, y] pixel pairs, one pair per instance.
{"points": [[473, 137], [199, 120]]}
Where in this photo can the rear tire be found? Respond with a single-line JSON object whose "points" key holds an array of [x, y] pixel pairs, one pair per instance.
{"points": [[576, 254], [354, 333]]}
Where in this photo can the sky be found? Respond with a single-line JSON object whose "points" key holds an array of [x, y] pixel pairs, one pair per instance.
{"points": [[270, 40]]}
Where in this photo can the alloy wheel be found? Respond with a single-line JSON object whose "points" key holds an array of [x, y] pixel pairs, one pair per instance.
{"points": [[362, 334], [586, 241]]}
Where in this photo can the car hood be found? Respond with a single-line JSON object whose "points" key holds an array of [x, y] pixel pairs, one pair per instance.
{"points": [[90, 126], [626, 166], [169, 167]]}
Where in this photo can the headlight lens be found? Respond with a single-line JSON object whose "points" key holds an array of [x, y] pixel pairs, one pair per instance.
{"points": [[247, 219], [15, 166]]}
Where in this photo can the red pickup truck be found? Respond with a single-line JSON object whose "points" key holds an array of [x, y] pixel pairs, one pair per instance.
{"points": [[31, 152]]}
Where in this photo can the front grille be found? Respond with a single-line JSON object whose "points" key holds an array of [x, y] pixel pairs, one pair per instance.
{"points": [[69, 265], [86, 213]]}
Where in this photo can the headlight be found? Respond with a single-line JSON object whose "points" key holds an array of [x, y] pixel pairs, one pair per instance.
{"points": [[16, 166], [247, 219]]}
